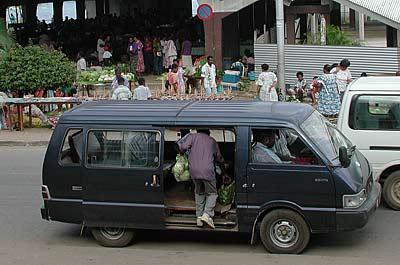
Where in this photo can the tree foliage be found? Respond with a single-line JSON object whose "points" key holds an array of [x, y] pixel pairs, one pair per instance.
{"points": [[337, 37], [30, 68], [334, 37]]}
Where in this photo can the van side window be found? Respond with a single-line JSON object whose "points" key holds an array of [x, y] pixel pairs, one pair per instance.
{"points": [[133, 149], [71, 152], [375, 113], [280, 146]]}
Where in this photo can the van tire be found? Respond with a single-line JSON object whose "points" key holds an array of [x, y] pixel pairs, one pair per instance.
{"points": [[391, 190], [113, 237], [284, 232]]}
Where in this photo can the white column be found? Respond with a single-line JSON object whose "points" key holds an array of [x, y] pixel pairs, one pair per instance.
{"points": [[280, 40], [323, 31], [313, 26], [361, 26], [398, 38], [266, 34]]}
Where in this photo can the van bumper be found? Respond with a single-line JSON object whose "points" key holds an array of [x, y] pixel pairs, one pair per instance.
{"points": [[45, 213], [352, 219]]}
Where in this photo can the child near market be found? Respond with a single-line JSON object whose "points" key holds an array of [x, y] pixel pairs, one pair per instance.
{"points": [[173, 80], [314, 90], [300, 86], [180, 79]]}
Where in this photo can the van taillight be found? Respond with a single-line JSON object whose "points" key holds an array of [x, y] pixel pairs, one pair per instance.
{"points": [[45, 192]]}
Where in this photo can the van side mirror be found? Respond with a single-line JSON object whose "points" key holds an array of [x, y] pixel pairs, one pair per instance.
{"points": [[344, 157]]}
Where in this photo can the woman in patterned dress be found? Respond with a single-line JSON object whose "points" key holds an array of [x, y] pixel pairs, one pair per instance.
{"points": [[140, 63], [266, 84], [329, 98]]}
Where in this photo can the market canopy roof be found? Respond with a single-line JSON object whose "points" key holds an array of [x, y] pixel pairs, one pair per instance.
{"points": [[386, 11]]}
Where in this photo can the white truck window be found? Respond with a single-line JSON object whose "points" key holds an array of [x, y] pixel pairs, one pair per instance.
{"points": [[375, 113]]}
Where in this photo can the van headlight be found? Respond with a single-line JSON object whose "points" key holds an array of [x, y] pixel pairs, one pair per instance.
{"points": [[354, 201]]}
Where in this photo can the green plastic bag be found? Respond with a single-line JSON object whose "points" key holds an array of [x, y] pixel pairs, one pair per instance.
{"points": [[181, 168], [226, 194]]}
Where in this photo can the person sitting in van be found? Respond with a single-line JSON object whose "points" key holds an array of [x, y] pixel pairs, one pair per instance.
{"points": [[203, 154], [142, 92], [262, 151], [122, 92], [284, 138]]}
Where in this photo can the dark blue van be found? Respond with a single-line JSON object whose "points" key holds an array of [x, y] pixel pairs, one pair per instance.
{"points": [[108, 168]]}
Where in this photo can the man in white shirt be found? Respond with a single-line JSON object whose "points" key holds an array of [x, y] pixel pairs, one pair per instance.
{"points": [[343, 76], [122, 92], [114, 83], [208, 76], [142, 92], [81, 64]]}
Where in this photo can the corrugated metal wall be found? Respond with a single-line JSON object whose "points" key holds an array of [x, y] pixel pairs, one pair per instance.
{"points": [[311, 59]]}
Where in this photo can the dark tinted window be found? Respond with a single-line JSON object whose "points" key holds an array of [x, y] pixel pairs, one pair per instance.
{"points": [[71, 152], [280, 146], [123, 149], [375, 113]]}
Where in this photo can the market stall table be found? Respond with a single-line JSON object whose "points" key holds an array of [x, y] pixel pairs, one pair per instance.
{"points": [[21, 103], [104, 87]]}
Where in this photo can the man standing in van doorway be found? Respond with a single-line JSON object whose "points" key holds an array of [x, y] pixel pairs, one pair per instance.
{"points": [[203, 154]]}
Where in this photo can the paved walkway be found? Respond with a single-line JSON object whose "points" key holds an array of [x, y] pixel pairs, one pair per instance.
{"points": [[33, 137]]}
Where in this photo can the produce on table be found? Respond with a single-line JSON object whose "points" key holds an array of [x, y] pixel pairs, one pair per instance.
{"points": [[102, 76]]}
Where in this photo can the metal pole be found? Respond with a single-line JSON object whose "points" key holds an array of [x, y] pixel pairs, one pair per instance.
{"points": [[280, 40]]}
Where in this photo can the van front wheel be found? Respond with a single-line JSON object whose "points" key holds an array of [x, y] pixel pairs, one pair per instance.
{"points": [[284, 232], [113, 236], [391, 190]]}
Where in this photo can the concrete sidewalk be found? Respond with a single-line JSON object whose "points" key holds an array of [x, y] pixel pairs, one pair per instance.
{"points": [[28, 137]]}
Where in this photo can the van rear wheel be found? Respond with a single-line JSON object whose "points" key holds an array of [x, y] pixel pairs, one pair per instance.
{"points": [[284, 232], [391, 190], [113, 236]]}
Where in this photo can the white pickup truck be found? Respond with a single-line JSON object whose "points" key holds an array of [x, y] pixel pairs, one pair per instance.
{"points": [[370, 118]]}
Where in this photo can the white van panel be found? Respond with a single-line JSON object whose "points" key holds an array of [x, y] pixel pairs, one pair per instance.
{"points": [[365, 140]]}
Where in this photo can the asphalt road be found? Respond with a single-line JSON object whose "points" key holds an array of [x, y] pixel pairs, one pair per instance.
{"points": [[26, 239]]}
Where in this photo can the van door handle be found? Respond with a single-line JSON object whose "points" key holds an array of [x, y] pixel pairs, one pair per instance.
{"points": [[155, 181]]}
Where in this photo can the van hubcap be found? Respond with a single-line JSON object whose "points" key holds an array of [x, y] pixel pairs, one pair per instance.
{"points": [[396, 192], [284, 233], [112, 233]]}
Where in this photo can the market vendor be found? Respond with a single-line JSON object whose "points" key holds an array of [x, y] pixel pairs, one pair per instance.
{"points": [[114, 84]]}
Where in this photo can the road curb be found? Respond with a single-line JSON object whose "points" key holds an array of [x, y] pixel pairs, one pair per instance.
{"points": [[24, 143]]}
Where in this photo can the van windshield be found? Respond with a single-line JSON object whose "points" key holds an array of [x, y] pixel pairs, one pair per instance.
{"points": [[325, 136]]}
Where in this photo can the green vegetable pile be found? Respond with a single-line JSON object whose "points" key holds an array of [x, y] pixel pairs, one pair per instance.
{"points": [[181, 169], [226, 193], [91, 77]]}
